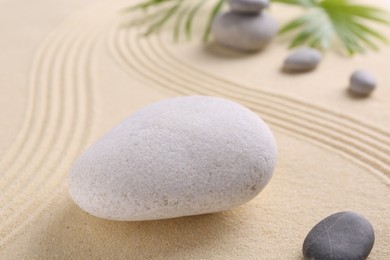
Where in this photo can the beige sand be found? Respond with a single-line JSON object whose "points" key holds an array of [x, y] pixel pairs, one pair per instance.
{"points": [[70, 73]]}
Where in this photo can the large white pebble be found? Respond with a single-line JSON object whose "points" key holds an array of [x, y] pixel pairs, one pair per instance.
{"points": [[245, 32], [178, 157]]}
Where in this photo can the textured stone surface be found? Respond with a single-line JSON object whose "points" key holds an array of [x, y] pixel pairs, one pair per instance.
{"points": [[362, 83], [341, 236], [181, 156], [302, 60], [248, 6], [246, 32]]}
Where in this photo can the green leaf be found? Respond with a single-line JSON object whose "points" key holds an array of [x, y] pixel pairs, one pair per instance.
{"points": [[351, 27], [158, 24], [294, 24], [366, 12], [190, 18], [178, 23], [217, 7], [145, 5], [337, 19], [146, 18], [296, 2], [323, 22], [372, 32], [301, 38]]}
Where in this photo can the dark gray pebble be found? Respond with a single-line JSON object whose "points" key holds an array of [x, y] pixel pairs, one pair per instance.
{"points": [[341, 236]]}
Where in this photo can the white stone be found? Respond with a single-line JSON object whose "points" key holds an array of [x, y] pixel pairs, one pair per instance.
{"points": [[302, 60], [248, 6], [178, 157], [245, 32], [362, 83]]}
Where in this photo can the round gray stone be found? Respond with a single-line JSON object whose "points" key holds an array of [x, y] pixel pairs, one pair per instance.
{"points": [[302, 60], [177, 157], [248, 6], [246, 32], [362, 83], [341, 236]]}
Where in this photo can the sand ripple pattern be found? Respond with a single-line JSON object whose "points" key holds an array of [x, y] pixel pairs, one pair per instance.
{"points": [[153, 60], [58, 123], [59, 117]]}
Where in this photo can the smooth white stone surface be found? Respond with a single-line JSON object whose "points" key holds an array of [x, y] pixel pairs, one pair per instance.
{"points": [[181, 156], [245, 32]]}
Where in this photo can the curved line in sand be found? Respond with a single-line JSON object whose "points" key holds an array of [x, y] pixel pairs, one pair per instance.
{"points": [[311, 111], [305, 126], [375, 132], [51, 123], [351, 138], [77, 131], [125, 50]]}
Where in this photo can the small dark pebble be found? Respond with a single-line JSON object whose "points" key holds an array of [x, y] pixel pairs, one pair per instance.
{"points": [[343, 235]]}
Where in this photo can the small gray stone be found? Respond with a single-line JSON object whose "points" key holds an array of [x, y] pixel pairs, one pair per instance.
{"points": [[248, 6], [302, 60], [362, 83], [178, 157], [341, 236], [246, 32]]}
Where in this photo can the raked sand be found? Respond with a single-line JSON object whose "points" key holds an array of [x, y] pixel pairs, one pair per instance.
{"points": [[70, 72]]}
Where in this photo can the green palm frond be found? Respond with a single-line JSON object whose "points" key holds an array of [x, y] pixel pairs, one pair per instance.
{"points": [[186, 11], [190, 17], [337, 20], [324, 22], [306, 3], [216, 9]]}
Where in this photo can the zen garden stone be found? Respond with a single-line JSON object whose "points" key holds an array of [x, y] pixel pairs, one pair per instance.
{"points": [[246, 27], [178, 157], [344, 235], [362, 83], [302, 60], [248, 6]]}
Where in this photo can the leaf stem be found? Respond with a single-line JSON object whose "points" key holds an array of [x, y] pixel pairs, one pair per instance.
{"points": [[217, 7]]}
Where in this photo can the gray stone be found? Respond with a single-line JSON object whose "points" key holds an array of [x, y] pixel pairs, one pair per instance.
{"points": [[248, 6], [302, 60], [178, 157], [362, 83], [341, 236], [246, 32]]}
